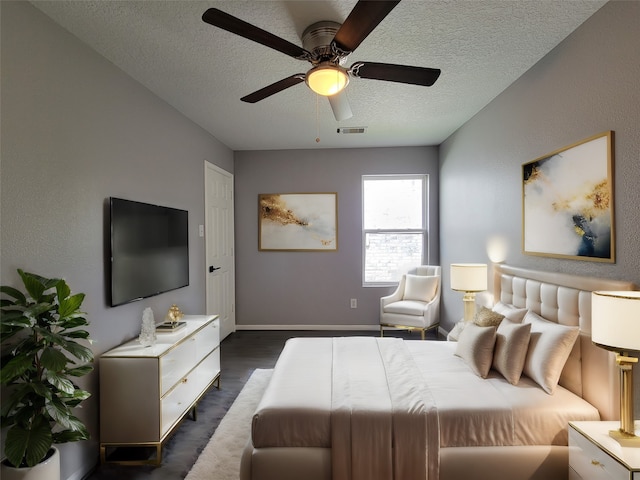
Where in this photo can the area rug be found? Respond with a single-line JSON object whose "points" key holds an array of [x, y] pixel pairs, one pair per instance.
{"points": [[220, 459]]}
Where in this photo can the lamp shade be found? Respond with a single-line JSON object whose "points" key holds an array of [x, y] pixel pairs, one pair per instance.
{"points": [[469, 277], [615, 320], [327, 80]]}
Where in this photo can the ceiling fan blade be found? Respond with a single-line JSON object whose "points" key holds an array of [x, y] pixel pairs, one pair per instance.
{"points": [[227, 22], [274, 88], [364, 17], [395, 73], [340, 106]]}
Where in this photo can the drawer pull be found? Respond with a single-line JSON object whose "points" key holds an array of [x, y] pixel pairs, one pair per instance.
{"points": [[596, 463]]}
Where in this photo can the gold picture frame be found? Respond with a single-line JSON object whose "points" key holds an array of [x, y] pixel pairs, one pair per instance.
{"points": [[297, 222], [567, 202]]}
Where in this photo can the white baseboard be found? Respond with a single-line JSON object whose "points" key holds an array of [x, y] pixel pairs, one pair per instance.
{"points": [[310, 327]]}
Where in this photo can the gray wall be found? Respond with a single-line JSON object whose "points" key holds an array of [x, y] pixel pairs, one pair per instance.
{"points": [[76, 130], [587, 85], [313, 288]]}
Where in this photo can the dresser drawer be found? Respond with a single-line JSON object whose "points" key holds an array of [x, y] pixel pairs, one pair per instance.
{"points": [[177, 363], [187, 390], [590, 462], [186, 355], [207, 340]]}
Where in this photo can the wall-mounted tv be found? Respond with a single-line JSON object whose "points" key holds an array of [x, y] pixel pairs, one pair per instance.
{"points": [[149, 250]]}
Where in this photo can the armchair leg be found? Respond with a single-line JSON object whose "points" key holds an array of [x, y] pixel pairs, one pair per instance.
{"points": [[381, 332], [422, 333]]}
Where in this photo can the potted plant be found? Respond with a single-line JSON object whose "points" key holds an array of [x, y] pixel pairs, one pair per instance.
{"points": [[40, 331]]}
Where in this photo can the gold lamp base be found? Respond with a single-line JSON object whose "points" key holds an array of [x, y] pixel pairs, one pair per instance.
{"points": [[625, 435], [625, 439]]}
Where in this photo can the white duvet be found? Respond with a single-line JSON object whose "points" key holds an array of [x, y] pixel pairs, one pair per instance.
{"points": [[385, 406]]}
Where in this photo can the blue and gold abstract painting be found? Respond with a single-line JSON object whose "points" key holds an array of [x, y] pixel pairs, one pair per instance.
{"points": [[567, 203]]}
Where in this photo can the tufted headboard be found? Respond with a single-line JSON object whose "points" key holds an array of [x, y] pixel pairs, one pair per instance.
{"points": [[590, 371]]}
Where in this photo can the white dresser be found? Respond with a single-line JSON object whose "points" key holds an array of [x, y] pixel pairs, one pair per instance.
{"points": [[146, 391], [594, 455]]}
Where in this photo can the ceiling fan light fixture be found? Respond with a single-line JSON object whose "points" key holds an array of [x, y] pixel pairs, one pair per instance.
{"points": [[327, 79]]}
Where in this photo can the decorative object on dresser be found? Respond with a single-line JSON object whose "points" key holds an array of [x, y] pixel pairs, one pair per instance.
{"points": [[172, 320], [469, 278], [595, 455], [567, 202], [147, 335], [146, 391], [616, 326], [42, 355]]}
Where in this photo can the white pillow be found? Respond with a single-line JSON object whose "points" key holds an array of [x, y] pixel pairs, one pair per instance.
{"points": [[475, 347], [549, 347], [512, 342], [509, 311], [420, 287]]}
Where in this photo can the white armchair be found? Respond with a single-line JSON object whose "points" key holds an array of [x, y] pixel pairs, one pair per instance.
{"points": [[415, 305]]}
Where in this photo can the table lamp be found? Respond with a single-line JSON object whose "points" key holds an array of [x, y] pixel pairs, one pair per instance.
{"points": [[615, 325], [469, 278]]}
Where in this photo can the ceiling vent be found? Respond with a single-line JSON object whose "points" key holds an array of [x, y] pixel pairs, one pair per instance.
{"points": [[346, 130]]}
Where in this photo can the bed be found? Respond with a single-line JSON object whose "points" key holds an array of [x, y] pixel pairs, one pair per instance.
{"points": [[379, 409]]}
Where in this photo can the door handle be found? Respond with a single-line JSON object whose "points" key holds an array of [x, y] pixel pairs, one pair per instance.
{"points": [[213, 269]]}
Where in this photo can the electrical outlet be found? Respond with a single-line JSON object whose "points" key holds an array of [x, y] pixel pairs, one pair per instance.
{"points": [[201, 230], [354, 303]]}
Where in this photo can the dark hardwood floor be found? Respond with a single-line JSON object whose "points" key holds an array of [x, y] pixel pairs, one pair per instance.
{"points": [[241, 353]]}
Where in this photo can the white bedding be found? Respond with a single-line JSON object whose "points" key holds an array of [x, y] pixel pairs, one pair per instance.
{"points": [[318, 398], [491, 412]]}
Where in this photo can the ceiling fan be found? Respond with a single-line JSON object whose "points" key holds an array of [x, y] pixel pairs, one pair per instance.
{"points": [[326, 45]]}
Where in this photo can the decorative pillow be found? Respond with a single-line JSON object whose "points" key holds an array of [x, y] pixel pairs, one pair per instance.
{"points": [[420, 287], [549, 347], [487, 318], [512, 341], [509, 311], [475, 347]]}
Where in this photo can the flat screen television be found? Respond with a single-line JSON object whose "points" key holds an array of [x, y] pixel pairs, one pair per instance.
{"points": [[149, 250]]}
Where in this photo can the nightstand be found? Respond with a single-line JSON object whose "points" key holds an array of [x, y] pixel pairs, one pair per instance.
{"points": [[594, 455], [454, 334]]}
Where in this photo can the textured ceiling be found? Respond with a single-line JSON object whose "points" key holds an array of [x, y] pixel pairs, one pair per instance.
{"points": [[482, 46]]}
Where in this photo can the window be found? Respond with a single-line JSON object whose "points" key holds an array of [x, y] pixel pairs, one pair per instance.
{"points": [[394, 223]]}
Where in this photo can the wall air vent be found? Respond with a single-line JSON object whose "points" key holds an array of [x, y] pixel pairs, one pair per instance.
{"points": [[352, 130]]}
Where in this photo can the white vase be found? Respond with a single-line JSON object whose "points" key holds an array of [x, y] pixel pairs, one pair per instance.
{"points": [[46, 470]]}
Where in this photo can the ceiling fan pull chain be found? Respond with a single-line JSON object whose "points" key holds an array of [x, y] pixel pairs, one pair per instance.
{"points": [[317, 119]]}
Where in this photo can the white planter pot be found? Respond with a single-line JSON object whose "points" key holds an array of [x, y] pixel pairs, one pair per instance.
{"points": [[47, 470]]}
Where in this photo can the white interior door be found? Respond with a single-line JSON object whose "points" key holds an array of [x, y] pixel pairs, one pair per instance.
{"points": [[219, 240]]}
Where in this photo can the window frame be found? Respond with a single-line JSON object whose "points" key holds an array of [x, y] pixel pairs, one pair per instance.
{"points": [[424, 230]]}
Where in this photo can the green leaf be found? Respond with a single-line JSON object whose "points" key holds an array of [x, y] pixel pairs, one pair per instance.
{"points": [[71, 436], [70, 305], [81, 352], [53, 359], [59, 412], [63, 290], [28, 446], [80, 371], [15, 318], [33, 284], [77, 334], [79, 396], [15, 368], [60, 382], [14, 293], [35, 310]]}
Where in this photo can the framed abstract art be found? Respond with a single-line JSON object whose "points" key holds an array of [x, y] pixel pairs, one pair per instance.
{"points": [[298, 221], [567, 202]]}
